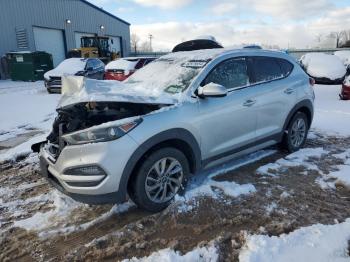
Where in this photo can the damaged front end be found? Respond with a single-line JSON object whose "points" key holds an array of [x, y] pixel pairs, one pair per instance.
{"points": [[85, 116]]}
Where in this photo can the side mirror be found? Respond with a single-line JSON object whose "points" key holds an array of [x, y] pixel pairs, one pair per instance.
{"points": [[212, 90]]}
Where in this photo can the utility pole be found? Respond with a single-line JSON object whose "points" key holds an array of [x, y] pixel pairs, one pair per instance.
{"points": [[150, 42]]}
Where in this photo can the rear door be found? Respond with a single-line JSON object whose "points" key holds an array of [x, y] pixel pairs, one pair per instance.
{"points": [[227, 123], [275, 93]]}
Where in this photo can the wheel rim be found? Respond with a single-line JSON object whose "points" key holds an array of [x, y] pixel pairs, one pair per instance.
{"points": [[298, 132], [164, 180]]}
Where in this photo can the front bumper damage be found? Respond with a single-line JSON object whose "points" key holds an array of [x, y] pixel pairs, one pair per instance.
{"points": [[91, 188]]}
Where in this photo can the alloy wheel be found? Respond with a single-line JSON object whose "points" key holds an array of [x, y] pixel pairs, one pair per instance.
{"points": [[298, 132], [164, 180]]}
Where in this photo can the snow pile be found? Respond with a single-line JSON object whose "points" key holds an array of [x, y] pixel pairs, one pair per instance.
{"points": [[315, 243], [341, 177], [332, 115], [203, 254], [125, 64], [298, 158], [344, 56], [62, 204], [321, 65], [69, 66]]}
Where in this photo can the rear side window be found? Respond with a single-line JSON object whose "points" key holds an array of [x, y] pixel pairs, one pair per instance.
{"points": [[266, 69], [231, 73], [286, 66]]}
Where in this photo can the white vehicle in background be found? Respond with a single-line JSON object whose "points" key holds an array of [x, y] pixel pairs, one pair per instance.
{"points": [[88, 67], [324, 68], [345, 57], [122, 68]]}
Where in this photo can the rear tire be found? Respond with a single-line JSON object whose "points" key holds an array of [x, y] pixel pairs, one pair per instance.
{"points": [[160, 177], [296, 133]]}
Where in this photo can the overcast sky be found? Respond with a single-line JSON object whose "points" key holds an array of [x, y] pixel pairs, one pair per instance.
{"points": [[286, 23]]}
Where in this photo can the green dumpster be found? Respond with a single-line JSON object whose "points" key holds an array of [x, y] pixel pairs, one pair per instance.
{"points": [[29, 66]]}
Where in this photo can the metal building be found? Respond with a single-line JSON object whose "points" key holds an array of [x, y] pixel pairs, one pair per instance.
{"points": [[55, 26]]}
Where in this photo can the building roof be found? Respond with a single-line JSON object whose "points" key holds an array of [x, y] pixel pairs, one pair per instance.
{"points": [[104, 11]]}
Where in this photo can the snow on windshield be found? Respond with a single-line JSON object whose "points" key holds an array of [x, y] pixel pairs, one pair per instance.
{"points": [[172, 73], [122, 64], [323, 65]]}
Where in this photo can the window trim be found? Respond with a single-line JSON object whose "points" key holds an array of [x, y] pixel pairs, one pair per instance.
{"points": [[223, 61], [250, 62]]}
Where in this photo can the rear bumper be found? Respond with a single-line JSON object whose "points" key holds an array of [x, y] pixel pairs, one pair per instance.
{"points": [[327, 81], [345, 93]]}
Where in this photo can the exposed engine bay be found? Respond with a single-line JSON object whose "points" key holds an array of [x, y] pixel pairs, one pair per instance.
{"points": [[87, 114]]}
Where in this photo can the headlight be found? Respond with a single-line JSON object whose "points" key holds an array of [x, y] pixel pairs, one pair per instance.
{"points": [[102, 134]]}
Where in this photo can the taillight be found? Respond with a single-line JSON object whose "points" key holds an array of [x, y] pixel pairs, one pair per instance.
{"points": [[312, 81]]}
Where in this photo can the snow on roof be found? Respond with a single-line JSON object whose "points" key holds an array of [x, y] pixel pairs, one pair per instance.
{"points": [[344, 56], [323, 65], [69, 66], [125, 64]]}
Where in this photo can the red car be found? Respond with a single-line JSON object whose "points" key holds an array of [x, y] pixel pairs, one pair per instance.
{"points": [[345, 91], [122, 68]]}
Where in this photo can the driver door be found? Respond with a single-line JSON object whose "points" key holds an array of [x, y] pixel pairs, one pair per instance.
{"points": [[227, 123]]}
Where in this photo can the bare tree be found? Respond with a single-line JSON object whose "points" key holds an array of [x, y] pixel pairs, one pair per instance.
{"points": [[145, 47], [319, 38], [134, 42], [338, 36]]}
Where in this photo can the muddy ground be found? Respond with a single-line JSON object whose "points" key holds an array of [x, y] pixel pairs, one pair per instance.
{"points": [[282, 203]]}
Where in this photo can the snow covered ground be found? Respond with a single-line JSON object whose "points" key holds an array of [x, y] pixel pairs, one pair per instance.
{"points": [[25, 107]]}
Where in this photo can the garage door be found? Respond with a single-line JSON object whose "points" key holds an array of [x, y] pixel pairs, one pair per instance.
{"points": [[51, 41], [114, 43], [78, 35]]}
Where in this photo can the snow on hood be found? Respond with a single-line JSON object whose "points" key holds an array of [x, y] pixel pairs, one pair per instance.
{"points": [[122, 64], [77, 89], [163, 81], [323, 65], [344, 56], [69, 66]]}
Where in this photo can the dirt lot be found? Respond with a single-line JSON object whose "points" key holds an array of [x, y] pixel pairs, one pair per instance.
{"points": [[287, 197]]}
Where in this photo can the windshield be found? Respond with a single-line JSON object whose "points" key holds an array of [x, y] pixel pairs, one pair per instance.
{"points": [[171, 74]]}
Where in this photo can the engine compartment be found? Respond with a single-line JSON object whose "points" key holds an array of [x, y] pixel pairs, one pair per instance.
{"points": [[84, 115]]}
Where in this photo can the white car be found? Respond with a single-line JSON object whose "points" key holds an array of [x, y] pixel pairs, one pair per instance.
{"points": [[324, 68], [88, 67]]}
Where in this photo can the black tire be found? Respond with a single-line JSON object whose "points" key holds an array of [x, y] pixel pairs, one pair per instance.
{"points": [[287, 142], [138, 186]]}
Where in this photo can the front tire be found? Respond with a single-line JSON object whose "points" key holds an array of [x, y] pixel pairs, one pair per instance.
{"points": [[296, 134], [160, 177]]}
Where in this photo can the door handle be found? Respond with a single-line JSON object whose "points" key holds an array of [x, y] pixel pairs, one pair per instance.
{"points": [[249, 102], [289, 91]]}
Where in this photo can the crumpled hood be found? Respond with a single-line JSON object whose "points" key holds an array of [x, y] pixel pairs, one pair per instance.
{"points": [[77, 89]]}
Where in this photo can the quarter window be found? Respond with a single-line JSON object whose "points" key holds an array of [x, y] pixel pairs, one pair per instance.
{"points": [[266, 69], [286, 66], [231, 73]]}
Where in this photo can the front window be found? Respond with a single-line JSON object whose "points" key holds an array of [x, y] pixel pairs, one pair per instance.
{"points": [[169, 74], [231, 73]]}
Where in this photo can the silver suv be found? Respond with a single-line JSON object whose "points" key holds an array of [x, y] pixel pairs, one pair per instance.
{"points": [[181, 113]]}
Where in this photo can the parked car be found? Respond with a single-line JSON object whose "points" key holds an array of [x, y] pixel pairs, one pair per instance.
{"points": [[122, 68], [324, 68], [145, 136], [345, 90], [88, 67], [345, 57]]}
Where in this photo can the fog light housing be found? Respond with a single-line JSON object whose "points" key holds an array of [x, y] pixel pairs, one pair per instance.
{"points": [[85, 171]]}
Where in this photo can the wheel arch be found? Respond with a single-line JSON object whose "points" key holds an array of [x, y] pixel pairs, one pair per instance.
{"points": [[178, 138], [304, 106]]}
